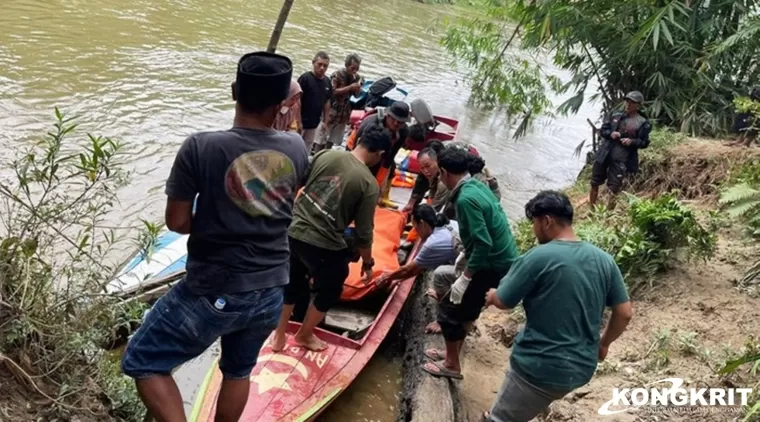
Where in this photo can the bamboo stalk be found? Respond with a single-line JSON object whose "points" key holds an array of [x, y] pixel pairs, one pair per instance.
{"points": [[284, 12]]}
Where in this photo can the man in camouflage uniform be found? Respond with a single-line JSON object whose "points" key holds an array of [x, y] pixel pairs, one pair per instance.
{"points": [[345, 82], [624, 134]]}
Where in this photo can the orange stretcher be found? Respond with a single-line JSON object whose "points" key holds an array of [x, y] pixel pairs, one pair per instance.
{"points": [[389, 228]]}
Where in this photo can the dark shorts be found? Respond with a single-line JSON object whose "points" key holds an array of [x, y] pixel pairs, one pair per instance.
{"points": [[611, 171], [454, 318], [328, 270], [181, 326]]}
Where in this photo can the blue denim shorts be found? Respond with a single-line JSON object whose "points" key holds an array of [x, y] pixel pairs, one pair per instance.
{"points": [[181, 326]]}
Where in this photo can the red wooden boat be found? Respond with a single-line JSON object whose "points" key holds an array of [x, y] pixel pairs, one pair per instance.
{"points": [[297, 384]]}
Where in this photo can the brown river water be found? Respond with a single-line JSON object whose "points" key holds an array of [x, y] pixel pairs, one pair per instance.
{"points": [[150, 72]]}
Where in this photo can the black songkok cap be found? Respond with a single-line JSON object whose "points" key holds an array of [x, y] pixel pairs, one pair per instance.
{"points": [[263, 79]]}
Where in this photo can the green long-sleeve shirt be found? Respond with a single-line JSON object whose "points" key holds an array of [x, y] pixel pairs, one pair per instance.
{"points": [[484, 228]]}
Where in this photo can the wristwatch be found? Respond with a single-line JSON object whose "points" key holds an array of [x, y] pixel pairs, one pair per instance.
{"points": [[367, 265]]}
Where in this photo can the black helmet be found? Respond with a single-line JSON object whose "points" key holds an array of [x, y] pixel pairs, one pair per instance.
{"points": [[635, 96]]}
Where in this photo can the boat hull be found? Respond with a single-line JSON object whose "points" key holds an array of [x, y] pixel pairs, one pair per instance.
{"points": [[297, 384]]}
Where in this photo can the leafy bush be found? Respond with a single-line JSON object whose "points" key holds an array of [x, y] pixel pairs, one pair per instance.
{"points": [[638, 256], [642, 239], [748, 172], [749, 356], [749, 110], [524, 237], [743, 201], [660, 140], [671, 225], [54, 315]]}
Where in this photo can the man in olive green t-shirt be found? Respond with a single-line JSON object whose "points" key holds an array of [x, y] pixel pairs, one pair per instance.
{"points": [[564, 285], [339, 190]]}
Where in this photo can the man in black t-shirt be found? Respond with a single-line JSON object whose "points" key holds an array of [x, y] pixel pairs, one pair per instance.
{"points": [[315, 104], [243, 182]]}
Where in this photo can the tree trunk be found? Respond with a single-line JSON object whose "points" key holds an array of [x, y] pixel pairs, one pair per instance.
{"points": [[284, 12], [424, 397]]}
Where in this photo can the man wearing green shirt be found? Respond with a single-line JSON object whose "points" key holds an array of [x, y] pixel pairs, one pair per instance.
{"points": [[564, 285], [339, 190], [489, 248]]}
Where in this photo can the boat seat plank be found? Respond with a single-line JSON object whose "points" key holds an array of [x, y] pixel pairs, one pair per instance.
{"points": [[347, 319]]}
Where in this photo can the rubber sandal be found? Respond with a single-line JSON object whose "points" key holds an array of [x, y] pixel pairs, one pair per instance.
{"points": [[442, 371], [435, 355]]}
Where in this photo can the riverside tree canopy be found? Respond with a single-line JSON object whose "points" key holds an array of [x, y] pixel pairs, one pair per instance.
{"points": [[690, 59]]}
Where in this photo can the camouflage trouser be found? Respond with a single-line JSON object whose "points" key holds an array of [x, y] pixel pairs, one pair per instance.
{"points": [[613, 172]]}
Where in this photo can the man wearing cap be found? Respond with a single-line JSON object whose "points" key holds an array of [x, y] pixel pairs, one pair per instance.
{"points": [[394, 121], [624, 134], [244, 181]]}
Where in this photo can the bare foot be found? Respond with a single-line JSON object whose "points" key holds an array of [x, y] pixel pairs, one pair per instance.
{"points": [[278, 342], [432, 293], [433, 328], [311, 343]]}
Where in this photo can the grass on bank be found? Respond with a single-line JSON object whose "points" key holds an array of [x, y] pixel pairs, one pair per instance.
{"points": [[644, 237]]}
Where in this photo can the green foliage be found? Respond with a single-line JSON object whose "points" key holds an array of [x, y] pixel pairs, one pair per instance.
{"points": [[661, 139], [749, 356], [659, 350], [524, 237], [54, 315], [671, 225], [638, 257], [147, 239], [747, 105], [748, 172], [743, 201], [687, 344], [642, 239], [511, 82], [689, 59]]}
